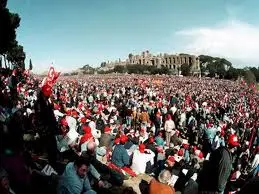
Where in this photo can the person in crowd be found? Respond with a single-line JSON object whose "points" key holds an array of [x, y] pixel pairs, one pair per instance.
{"points": [[4, 183], [145, 156], [220, 166], [161, 186], [169, 129], [75, 179], [120, 155]]}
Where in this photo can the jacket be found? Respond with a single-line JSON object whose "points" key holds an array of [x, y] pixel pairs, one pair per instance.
{"points": [[120, 156], [71, 183], [156, 187]]}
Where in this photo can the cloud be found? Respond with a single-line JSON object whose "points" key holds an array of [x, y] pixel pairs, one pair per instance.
{"points": [[235, 40], [43, 66]]}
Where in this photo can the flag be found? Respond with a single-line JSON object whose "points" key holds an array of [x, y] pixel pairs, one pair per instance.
{"points": [[48, 82]]}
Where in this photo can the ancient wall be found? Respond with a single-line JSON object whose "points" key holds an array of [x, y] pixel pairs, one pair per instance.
{"points": [[173, 62]]}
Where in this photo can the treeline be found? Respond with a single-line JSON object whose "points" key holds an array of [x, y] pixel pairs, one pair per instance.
{"points": [[209, 67], [11, 53], [222, 68], [141, 69]]}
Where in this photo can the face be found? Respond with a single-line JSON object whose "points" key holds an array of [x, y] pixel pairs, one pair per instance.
{"points": [[81, 171], [5, 183]]}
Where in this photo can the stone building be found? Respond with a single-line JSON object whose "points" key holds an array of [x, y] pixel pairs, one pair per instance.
{"points": [[172, 62]]}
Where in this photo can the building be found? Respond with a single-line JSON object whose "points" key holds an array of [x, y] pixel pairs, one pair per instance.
{"points": [[172, 62]]}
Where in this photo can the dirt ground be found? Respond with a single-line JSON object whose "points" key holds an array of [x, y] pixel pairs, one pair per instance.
{"points": [[134, 182]]}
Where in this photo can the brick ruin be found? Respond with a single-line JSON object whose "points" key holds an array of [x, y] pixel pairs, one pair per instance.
{"points": [[172, 62]]}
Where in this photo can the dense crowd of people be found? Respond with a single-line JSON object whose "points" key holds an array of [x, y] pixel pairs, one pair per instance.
{"points": [[87, 134]]}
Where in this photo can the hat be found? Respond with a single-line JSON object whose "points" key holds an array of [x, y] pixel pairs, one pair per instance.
{"points": [[171, 159], [123, 139], [63, 122], [142, 148], [180, 152], [83, 120], [117, 141], [199, 154], [233, 141], [107, 129]]}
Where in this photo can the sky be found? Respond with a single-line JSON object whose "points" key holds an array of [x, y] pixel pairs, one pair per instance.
{"points": [[71, 33]]}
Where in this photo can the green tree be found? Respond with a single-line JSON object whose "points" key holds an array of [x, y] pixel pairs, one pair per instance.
{"points": [[16, 55], [119, 69], [30, 65], [10, 50], [185, 69], [255, 72], [249, 76], [232, 73]]}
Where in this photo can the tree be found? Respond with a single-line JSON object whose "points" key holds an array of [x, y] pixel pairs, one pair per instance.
{"points": [[119, 69], [249, 76], [185, 69], [255, 72], [10, 50], [16, 55], [30, 65], [103, 64]]}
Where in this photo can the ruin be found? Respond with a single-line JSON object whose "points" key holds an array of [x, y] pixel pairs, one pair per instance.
{"points": [[172, 61]]}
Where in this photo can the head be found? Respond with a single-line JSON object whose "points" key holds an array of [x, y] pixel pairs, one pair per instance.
{"points": [[91, 147], [128, 190], [4, 181], [164, 176], [81, 165]]}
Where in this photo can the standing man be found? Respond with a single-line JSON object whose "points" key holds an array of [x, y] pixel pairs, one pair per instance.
{"points": [[215, 175], [169, 129]]}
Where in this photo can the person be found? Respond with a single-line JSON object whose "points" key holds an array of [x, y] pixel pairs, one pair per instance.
{"points": [[169, 129], [120, 155], [143, 155], [4, 183], [219, 167], [74, 179], [161, 186]]}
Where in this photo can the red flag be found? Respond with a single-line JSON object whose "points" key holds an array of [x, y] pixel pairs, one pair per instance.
{"points": [[49, 81]]}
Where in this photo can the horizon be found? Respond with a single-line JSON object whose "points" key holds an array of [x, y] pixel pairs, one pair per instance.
{"points": [[70, 35]]}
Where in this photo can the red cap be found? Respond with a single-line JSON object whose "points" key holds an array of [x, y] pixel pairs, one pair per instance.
{"points": [[63, 122], [107, 129], [142, 148], [83, 120], [180, 152], [233, 141], [117, 141], [123, 139], [186, 146], [74, 114], [171, 159]]}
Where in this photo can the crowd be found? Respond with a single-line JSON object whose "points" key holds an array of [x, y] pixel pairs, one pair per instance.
{"points": [[86, 134]]}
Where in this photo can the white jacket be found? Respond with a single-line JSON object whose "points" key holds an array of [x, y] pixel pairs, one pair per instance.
{"points": [[169, 125], [139, 161]]}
